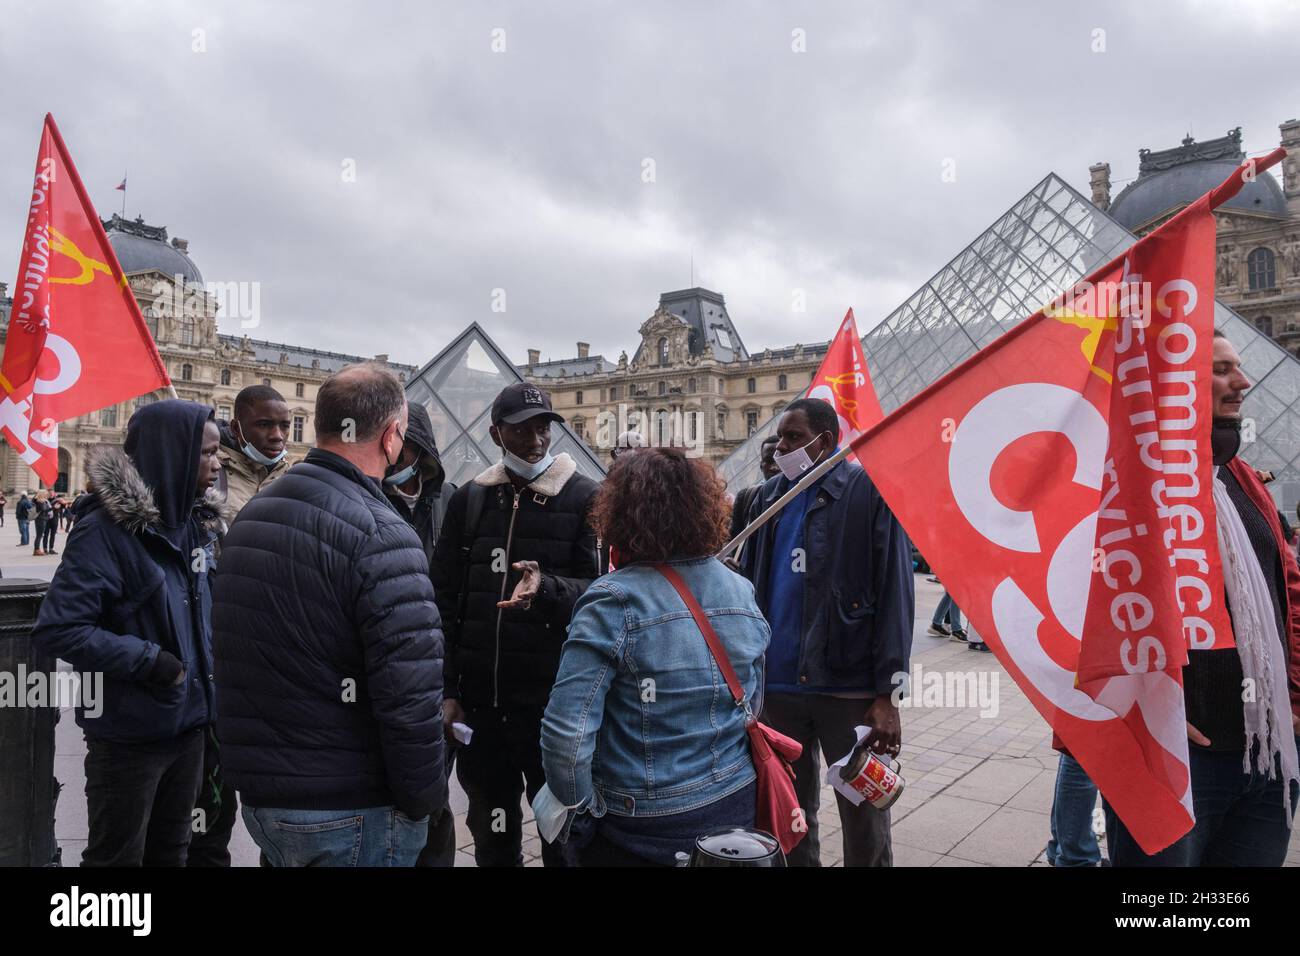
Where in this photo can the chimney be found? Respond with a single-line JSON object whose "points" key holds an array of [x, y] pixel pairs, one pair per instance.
{"points": [[1100, 181], [1291, 165], [382, 358], [534, 356], [584, 348], [182, 244], [4, 288]]}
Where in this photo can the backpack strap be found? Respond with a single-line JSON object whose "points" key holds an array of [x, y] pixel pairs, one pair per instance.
{"points": [[475, 499]]}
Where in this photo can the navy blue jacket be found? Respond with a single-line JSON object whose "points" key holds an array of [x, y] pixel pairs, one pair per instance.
{"points": [[134, 580], [859, 600], [329, 648]]}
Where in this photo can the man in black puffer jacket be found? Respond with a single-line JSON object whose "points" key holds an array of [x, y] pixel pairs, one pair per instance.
{"points": [[521, 524], [328, 648]]}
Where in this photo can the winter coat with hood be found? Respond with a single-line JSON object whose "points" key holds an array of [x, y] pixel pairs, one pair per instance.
{"points": [[244, 477], [509, 658], [328, 647], [428, 513], [134, 580]]}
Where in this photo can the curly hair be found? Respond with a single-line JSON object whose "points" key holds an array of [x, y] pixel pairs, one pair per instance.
{"points": [[658, 505]]}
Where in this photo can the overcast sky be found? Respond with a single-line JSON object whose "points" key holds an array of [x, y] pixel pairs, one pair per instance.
{"points": [[524, 170]]}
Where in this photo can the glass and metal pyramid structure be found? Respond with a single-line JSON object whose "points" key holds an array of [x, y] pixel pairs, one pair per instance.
{"points": [[1047, 241], [457, 387]]}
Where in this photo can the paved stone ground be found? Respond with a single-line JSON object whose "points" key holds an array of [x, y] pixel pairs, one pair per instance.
{"points": [[978, 788]]}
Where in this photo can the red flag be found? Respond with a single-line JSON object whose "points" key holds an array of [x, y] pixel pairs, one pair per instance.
{"points": [[77, 341], [844, 380], [1059, 482]]}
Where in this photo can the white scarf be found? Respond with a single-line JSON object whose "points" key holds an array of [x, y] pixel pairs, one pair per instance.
{"points": [[1263, 659]]}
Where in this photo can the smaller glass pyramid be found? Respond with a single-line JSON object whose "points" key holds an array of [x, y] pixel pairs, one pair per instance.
{"points": [[457, 387]]}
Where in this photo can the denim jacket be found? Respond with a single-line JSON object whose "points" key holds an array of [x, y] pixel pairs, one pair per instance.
{"points": [[640, 721]]}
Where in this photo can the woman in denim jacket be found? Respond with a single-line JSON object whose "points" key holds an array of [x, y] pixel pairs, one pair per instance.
{"points": [[642, 744]]}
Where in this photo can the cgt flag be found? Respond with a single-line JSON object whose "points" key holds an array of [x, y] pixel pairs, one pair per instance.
{"points": [[76, 341], [1060, 483], [844, 380]]}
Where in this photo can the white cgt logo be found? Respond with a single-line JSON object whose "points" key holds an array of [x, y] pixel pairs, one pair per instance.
{"points": [[997, 421]]}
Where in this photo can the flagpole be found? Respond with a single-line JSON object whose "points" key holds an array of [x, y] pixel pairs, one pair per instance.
{"points": [[124, 175]]}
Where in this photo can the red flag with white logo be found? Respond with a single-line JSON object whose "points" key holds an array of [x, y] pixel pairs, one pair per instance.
{"points": [[1060, 483], [77, 341], [844, 380]]}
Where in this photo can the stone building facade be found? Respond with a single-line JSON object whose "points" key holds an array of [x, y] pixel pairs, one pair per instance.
{"points": [[690, 381], [204, 364], [1258, 268]]}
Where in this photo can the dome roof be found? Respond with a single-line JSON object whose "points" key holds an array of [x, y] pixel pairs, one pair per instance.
{"points": [[1172, 178], [140, 247]]}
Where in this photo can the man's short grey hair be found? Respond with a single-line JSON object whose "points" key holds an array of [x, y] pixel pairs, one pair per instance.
{"points": [[366, 394]]}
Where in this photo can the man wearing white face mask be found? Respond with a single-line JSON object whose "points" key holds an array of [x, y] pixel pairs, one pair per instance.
{"points": [[833, 575], [516, 553], [253, 446]]}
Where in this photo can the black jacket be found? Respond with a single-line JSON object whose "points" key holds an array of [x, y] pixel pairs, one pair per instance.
{"points": [[328, 647], [430, 509], [510, 658], [132, 585], [859, 600]]}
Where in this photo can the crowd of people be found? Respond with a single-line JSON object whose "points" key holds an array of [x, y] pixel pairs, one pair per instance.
{"points": [[325, 642], [48, 511]]}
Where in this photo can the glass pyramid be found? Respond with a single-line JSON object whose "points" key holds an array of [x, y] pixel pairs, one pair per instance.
{"points": [[1047, 241], [457, 387]]}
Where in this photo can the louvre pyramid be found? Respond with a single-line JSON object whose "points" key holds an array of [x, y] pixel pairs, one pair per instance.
{"points": [[1050, 239], [457, 387]]}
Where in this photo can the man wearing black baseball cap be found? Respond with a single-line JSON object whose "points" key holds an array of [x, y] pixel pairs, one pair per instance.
{"points": [[516, 552]]}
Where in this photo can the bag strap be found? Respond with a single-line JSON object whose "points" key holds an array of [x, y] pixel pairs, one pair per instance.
{"points": [[710, 635], [475, 499]]}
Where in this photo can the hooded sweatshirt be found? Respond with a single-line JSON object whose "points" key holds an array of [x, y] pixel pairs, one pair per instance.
{"points": [[430, 507]]}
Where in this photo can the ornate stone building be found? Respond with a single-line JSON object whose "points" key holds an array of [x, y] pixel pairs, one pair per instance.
{"points": [[690, 382], [204, 365], [1258, 230]]}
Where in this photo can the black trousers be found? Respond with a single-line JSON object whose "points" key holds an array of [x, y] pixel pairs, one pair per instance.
{"points": [[140, 800], [215, 810], [502, 764]]}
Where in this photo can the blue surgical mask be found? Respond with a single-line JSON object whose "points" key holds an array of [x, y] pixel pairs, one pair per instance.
{"points": [[526, 470], [248, 449], [403, 476]]}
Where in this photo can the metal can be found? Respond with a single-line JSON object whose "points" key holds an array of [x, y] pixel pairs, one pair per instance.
{"points": [[879, 782]]}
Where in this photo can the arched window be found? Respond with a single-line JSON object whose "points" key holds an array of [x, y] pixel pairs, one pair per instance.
{"points": [[225, 376], [690, 385], [781, 383], [751, 385], [663, 388], [1265, 325], [1261, 269], [298, 390], [663, 351], [187, 372]]}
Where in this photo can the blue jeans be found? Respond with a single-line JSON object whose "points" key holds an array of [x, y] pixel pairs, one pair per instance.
{"points": [[1240, 819], [948, 610], [23, 534], [374, 836], [1073, 841]]}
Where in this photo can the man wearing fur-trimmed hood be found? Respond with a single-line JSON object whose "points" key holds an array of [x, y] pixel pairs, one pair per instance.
{"points": [[515, 554], [131, 600]]}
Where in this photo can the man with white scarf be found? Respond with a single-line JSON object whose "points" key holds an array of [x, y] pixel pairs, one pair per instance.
{"points": [[1243, 703]]}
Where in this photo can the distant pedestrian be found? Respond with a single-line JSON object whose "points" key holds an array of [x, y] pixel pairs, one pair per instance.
{"points": [[3, 499], [23, 512], [43, 512], [1074, 805], [57, 508]]}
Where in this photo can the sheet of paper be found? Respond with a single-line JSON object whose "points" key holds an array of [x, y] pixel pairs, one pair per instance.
{"points": [[462, 732]]}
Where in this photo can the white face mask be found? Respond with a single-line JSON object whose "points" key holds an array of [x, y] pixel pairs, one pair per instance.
{"points": [[248, 449], [797, 463], [526, 470], [411, 499]]}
